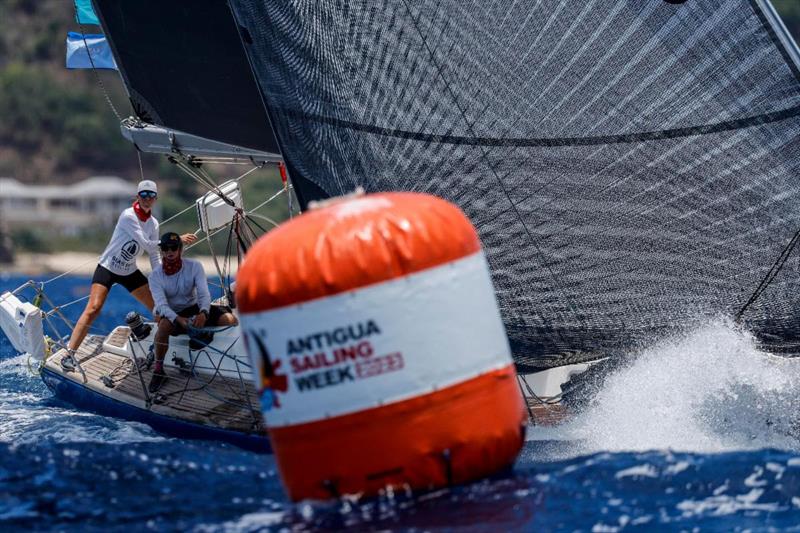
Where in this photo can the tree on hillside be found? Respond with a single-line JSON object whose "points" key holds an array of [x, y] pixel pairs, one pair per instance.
{"points": [[55, 124]]}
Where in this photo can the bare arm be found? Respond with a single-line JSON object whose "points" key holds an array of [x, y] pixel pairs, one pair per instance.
{"points": [[154, 255]]}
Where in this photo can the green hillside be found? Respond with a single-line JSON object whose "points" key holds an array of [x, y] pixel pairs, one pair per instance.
{"points": [[58, 126]]}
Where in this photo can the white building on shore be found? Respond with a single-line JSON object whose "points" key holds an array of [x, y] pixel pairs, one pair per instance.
{"points": [[94, 203]]}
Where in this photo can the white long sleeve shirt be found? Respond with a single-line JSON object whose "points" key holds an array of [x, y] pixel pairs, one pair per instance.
{"points": [[131, 237], [186, 287]]}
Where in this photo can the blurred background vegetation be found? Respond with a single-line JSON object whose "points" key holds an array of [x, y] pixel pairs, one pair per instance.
{"points": [[57, 127]]}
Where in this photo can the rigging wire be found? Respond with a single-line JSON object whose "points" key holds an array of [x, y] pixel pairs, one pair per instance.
{"points": [[56, 308], [199, 174], [186, 168], [770, 275], [262, 217], [141, 168], [96, 74], [525, 399]]}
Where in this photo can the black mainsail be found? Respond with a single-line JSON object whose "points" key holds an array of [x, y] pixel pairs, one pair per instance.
{"points": [[189, 81], [631, 165]]}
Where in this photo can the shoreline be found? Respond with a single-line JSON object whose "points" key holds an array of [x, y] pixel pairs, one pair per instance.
{"points": [[79, 264]]}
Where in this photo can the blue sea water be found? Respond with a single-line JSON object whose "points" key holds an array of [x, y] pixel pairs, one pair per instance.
{"points": [[698, 434]]}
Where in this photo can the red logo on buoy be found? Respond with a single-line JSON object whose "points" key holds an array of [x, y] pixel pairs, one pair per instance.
{"points": [[271, 380]]}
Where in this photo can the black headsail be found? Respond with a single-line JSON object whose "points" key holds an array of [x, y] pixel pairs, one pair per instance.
{"points": [[185, 69], [189, 81], [631, 165]]}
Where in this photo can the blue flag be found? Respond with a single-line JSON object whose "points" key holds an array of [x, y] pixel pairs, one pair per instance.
{"points": [[99, 52], [84, 13]]}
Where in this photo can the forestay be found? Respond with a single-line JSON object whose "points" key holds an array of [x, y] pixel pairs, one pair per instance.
{"points": [[631, 165]]}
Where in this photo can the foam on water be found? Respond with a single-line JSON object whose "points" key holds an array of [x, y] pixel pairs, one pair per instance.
{"points": [[29, 414], [710, 390]]}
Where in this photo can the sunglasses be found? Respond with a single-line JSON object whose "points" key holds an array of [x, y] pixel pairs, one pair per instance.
{"points": [[170, 248], [148, 194]]}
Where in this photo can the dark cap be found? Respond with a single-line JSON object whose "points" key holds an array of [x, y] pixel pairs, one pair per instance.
{"points": [[170, 239]]}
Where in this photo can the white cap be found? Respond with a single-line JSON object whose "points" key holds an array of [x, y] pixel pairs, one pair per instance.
{"points": [[147, 185]]}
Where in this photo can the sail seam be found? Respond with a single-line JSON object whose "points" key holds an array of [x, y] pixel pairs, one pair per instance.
{"points": [[674, 133]]}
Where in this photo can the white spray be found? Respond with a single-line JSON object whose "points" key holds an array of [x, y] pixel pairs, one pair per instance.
{"points": [[710, 390]]}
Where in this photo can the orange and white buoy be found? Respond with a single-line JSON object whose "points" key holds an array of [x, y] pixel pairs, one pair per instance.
{"points": [[378, 348]]}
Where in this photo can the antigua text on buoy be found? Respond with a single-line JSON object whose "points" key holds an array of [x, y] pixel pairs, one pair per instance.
{"points": [[378, 348]]}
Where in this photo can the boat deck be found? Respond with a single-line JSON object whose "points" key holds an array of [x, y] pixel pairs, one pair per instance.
{"points": [[546, 414], [209, 400]]}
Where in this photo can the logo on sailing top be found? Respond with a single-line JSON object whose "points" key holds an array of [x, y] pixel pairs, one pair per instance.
{"points": [[271, 379], [129, 250]]}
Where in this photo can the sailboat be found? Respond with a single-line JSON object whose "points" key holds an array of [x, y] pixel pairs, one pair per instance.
{"points": [[156, 69], [629, 165], [210, 394]]}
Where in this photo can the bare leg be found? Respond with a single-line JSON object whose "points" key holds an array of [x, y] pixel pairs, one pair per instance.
{"points": [[144, 295], [97, 297], [162, 339]]}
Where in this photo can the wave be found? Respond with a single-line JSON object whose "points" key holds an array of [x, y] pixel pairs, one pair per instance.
{"points": [[29, 414], [710, 390]]}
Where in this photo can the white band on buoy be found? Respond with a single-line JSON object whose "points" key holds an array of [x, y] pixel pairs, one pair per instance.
{"points": [[378, 344]]}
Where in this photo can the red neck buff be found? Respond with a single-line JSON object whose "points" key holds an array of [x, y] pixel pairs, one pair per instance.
{"points": [[140, 213], [171, 266]]}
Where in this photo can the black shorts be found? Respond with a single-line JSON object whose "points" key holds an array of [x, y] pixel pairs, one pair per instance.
{"points": [[214, 313], [105, 277]]}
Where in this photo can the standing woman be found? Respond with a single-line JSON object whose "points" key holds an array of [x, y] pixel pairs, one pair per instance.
{"points": [[136, 232]]}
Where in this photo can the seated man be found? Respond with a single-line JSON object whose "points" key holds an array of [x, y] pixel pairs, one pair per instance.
{"points": [[180, 293]]}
